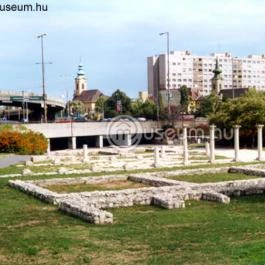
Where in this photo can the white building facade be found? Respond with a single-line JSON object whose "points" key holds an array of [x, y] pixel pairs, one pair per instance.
{"points": [[196, 72]]}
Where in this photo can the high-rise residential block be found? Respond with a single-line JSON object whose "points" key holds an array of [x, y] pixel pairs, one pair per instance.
{"points": [[196, 72]]}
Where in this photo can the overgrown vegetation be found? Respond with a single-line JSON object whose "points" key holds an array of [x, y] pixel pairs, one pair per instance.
{"points": [[17, 139]]}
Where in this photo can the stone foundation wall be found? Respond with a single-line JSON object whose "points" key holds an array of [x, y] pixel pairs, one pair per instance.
{"points": [[238, 187], [34, 190], [85, 212], [164, 193], [248, 171], [78, 180]]}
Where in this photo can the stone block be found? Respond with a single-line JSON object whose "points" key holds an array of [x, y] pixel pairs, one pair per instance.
{"points": [[57, 161], [168, 202], [62, 170], [26, 172], [215, 196], [86, 212]]}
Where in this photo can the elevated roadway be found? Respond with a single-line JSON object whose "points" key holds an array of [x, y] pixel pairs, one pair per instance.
{"points": [[32, 102]]}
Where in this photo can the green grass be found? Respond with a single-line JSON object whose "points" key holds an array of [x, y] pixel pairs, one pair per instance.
{"points": [[210, 177], [10, 170], [32, 232]]}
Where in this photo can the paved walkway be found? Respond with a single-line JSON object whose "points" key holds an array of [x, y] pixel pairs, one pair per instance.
{"points": [[245, 155], [9, 160]]}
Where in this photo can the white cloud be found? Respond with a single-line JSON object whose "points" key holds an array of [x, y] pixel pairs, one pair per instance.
{"points": [[113, 33]]}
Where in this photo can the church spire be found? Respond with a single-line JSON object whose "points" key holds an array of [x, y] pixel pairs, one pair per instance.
{"points": [[81, 71], [217, 80], [80, 80]]}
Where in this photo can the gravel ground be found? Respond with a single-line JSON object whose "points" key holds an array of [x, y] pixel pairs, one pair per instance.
{"points": [[12, 159]]}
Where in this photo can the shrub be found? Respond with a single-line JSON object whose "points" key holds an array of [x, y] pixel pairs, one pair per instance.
{"points": [[22, 142]]}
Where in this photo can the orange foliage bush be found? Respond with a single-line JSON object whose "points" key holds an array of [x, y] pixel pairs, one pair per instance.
{"points": [[26, 142]]}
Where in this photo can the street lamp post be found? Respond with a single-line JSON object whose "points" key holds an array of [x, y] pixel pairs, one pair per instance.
{"points": [[43, 78], [168, 71], [233, 85]]}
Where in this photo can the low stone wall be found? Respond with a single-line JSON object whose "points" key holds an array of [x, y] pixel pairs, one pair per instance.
{"points": [[238, 187], [152, 180], [168, 203], [86, 212], [251, 171], [78, 180], [164, 193], [34, 190], [215, 196]]}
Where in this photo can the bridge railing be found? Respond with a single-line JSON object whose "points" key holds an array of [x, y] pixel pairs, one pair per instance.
{"points": [[4, 94]]}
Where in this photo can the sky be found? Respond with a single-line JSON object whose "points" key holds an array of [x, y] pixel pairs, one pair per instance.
{"points": [[113, 38]]}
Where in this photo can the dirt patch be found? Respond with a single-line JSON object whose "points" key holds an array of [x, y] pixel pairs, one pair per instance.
{"points": [[110, 185]]}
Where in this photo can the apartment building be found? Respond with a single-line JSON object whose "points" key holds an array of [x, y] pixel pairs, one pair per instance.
{"points": [[249, 72], [203, 67], [196, 72], [180, 71]]}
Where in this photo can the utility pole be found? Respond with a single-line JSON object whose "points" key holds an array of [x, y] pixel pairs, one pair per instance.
{"points": [[23, 106], [44, 95]]}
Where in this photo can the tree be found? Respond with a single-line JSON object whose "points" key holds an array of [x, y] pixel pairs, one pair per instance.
{"points": [[209, 105], [100, 104], [100, 107], [184, 98], [247, 111], [77, 107], [147, 109], [117, 104]]}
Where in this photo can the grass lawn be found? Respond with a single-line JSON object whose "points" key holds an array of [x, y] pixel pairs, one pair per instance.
{"points": [[212, 177], [32, 232]]}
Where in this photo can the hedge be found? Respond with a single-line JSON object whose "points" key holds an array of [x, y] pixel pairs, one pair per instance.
{"points": [[22, 142]]}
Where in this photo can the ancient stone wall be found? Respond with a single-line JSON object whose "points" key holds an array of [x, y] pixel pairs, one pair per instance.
{"points": [[164, 192]]}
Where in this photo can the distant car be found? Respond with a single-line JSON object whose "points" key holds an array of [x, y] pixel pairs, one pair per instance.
{"points": [[141, 119], [80, 119]]}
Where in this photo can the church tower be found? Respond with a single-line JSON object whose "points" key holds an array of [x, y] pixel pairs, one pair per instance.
{"points": [[217, 80], [80, 81]]}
